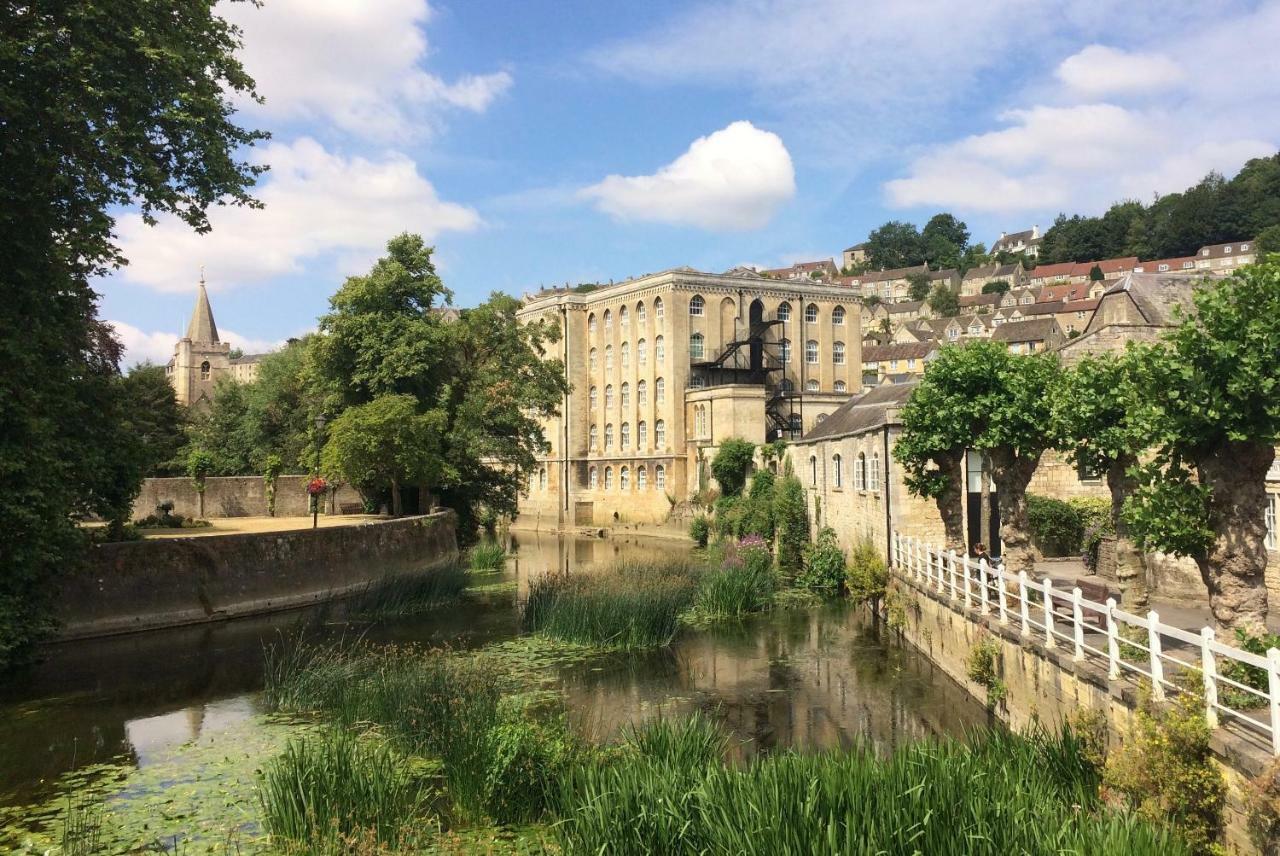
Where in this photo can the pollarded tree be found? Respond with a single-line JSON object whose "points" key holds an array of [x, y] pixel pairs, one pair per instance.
{"points": [[931, 450], [1213, 389], [1100, 426], [731, 465]]}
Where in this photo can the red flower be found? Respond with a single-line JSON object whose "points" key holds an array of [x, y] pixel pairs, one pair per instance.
{"points": [[317, 486]]}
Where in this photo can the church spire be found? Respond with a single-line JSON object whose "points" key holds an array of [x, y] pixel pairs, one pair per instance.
{"points": [[202, 330]]}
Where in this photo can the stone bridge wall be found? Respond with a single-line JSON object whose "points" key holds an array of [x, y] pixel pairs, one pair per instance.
{"points": [[235, 496]]}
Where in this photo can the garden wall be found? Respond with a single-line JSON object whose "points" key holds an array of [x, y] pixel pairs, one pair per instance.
{"points": [[167, 582], [235, 496]]}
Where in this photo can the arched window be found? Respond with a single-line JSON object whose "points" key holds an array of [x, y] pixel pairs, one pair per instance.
{"points": [[642, 434], [837, 470], [811, 385], [811, 314], [626, 394], [873, 474], [626, 355], [660, 434], [841, 386], [624, 479], [608, 396], [608, 436], [813, 470], [608, 320], [860, 472], [593, 398], [695, 346], [608, 358], [204, 370], [784, 311], [657, 308], [837, 316], [784, 351], [837, 353], [593, 438], [593, 360], [641, 313], [608, 478], [542, 479], [642, 394], [659, 391], [810, 353], [797, 424], [624, 436], [660, 477], [786, 385], [593, 478], [697, 382], [642, 478], [624, 317], [591, 323], [642, 353], [659, 350], [697, 306]]}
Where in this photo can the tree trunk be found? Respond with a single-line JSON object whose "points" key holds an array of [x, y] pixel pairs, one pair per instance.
{"points": [[1131, 572], [1234, 568], [984, 502], [951, 501], [396, 508], [1011, 473]]}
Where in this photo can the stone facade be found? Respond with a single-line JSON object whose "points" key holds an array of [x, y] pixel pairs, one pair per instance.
{"points": [[237, 496], [201, 359]]}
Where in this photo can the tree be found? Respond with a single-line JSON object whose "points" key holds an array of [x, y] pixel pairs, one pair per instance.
{"points": [[918, 285], [944, 301], [1095, 274], [1269, 240], [871, 301], [384, 444], [731, 465], [945, 241], [199, 465], [154, 417], [791, 523], [1099, 423], [105, 105], [995, 286], [271, 469], [1210, 387], [895, 245]]}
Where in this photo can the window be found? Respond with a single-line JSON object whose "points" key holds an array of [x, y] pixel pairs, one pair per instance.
{"points": [[953, 333], [593, 360], [642, 394], [873, 474], [811, 352], [608, 396], [837, 316], [626, 355], [593, 398], [642, 434], [811, 314], [659, 350], [625, 435], [608, 478], [608, 320], [911, 364], [626, 394], [813, 470], [624, 479], [642, 314], [697, 306], [784, 311], [797, 424], [695, 346], [593, 438], [1270, 516], [659, 391], [1087, 472], [608, 358], [837, 470], [697, 382], [593, 478], [860, 472], [660, 477], [642, 478], [204, 370], [811, 385], [608, 436], [591, 323], [660, 434], [1226, 250], [657, 308], [841, 386], [642, 353], [784, 350], [624, 317], [542, 479], [837, 353], [787, 386]]}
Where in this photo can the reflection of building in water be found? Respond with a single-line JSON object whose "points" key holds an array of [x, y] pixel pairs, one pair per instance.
{"points": [[538, 553], [153, 736]]}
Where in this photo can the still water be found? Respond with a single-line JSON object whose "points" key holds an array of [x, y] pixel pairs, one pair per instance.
{"points": [[809, 678]]}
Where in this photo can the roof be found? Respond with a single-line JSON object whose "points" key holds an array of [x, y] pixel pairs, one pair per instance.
{"points": [[1159, 297], [856, 247], [801, 267], [898, 351], [986, 272], [1217, 251], [201, 327], [903, 306], [866, 412], [949, 273], [247, 359], [1035, 330], [991, 299], [1012, 238], [1182, 263], [1055, 306], [1058, 271], [1065, 292], [892, 273]]}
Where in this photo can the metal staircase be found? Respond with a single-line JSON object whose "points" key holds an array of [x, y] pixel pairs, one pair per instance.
{"points": [[753, 360]]}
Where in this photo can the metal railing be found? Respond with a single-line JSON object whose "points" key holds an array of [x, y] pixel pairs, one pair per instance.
{"points": [[1127, 644]]}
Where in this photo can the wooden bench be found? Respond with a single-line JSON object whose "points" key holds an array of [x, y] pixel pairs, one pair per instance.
{"points": [[1089, 590], [351, 508]]}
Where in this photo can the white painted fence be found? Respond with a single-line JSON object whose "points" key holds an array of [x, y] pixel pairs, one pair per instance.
{"points": [[1096, 631]]}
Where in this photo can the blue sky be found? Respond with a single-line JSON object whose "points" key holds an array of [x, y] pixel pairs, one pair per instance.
{"points": [[542, 142]]}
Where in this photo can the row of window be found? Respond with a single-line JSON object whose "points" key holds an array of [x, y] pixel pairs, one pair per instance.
{"points": [[811, 352], [624, 435], [698, 351], [866, 471], [624, 354], [624, 478], [642, 394], [698, 309], [624, 317], [811, 385]]}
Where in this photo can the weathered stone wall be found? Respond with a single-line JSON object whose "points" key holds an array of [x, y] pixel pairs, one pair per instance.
{"points": [[1056, 477], [235, 496], [167, 582]]}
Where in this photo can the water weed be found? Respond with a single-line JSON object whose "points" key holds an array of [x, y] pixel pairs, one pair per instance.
{"points": [[487, 556], [409, 594]]}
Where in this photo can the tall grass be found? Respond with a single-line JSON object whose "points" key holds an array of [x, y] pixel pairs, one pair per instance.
{"points": [[734, 592], [487, 556], [1003, 793], [408, 594], [333, 789], [627, 606]]}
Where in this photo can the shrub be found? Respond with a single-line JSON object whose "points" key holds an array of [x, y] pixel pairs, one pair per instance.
{"points": [[1243, 673], [868, 575], [407, 594], [487, 555], [700, 530], [742, 584], [982, 667], [756, 517], [824, 564], [1055, 525], [524, 761], [728, 516], [791, 517], [731, 465]]}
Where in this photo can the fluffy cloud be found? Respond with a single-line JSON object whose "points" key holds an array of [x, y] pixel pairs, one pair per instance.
{"points": [[1099, 71], [731, 180], [351, 63], [316, 204], [140, 345]]}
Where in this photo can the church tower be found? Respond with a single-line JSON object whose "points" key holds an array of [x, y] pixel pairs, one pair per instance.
{"points": [[199, 359]]}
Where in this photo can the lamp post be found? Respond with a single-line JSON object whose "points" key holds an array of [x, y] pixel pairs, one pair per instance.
{"points": [[315, 497]]}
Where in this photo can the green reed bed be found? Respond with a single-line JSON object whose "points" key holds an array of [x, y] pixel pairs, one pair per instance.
{"points": [[409, 594], [668, 790], [487, 556], [628, 606], [741, 580]]}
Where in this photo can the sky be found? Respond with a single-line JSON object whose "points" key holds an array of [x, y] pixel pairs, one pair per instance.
{"points": [[541, 142]]}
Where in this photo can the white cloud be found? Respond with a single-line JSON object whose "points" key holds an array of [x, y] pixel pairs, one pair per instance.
{"points": [[140, 345], [1099, 70], [731, 180], [352, 63], [316, 204]]}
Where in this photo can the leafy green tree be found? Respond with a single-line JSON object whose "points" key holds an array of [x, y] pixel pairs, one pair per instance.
{"points": [[731, 465], [975, 255], [1269, 240], [871, 301], [944, 301], [200, 466], [918, 285], [757, 513], [379, 446], [1095, 274], [105, 105], [791, 522], [896, 244], [271, 469], [995, 286], [945, 241], [1210, 387], [154, 417]]}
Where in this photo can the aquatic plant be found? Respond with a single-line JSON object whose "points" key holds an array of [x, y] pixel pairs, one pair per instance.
{"points": [[487, 555], [700, 530], [997, 793], [743, 582], [868, 576], [824, 564], [626, 606], [409, 594]]}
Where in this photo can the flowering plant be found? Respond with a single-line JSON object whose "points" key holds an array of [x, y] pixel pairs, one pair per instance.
{"points": [[317, 486]]}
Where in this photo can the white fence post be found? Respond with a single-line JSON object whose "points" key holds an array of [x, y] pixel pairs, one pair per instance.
{"points": [[1049, 640], [1157, 665], [1209, 666], [1273, 693], [982, 586], [968, 582], [1000, 593], [1077, 620], [951, 569], [1023, 606], [940, 558], [915, 558], [1113, 641]]}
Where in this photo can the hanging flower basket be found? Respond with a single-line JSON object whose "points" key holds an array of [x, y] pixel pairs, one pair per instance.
{"points": [[317, 486]]}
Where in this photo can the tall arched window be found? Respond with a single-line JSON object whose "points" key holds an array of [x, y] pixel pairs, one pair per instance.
{"points": [[608, 478], [860, 475], [642, 434], [542, 479], [837, 316], [642, 353], [787, 386], [641, 313], [837, 353], [784, 350], [659, 350], [660, 434], [591, 323], [813, 470], [593, 478], [204, 370], [593, 360], [873, 474], [608, 396], [837, 469], [810, 353], [593, 438], [657, 308], [642, 478], [695, 346], [811, 385], [624, 436], [659, 391], [697, 306], [784, 311], [625, 354], [811, 313], [593, 398], [624, 479], [626, 394], [608, 436], [608, 358], [660, 477], [608, 320], [624, 317], [642, 394]]}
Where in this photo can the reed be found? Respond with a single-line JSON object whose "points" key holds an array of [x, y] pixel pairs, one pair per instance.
{"points": [[487, 556], [734, 592], [999, 793], [410, 594], [628, 606]]}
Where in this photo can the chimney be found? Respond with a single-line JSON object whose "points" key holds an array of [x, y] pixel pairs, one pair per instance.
{"points": [[1035, 231]]}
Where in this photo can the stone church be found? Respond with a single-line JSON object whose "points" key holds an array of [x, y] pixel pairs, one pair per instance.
{"points": [[201, 359]]}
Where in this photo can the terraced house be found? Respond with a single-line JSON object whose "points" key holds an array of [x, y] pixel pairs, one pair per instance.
{"points": [[666, 367]]}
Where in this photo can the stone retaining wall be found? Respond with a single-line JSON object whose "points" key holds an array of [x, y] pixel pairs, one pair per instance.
{"points": [[235, 496], [167, 582]]}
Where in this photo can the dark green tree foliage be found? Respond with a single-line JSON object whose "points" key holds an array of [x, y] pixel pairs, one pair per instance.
{"points": [[918, 285], [945, 241], [155, 418], [896, 244], [756, 516], [1095, 274], [791, 523], [383, 444], [995, 286], [102, 105], [1211, 387], [944, 301], [1269, 240], [731, 465]]}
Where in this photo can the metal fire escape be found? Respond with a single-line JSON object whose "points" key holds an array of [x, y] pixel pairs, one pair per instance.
{"points": [[754, 360]]}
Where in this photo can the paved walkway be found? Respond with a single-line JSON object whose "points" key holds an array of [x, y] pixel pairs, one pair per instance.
{"points": [[231, 525]]}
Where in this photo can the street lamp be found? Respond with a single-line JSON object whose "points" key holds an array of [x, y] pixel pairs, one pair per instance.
{"points": [[315, 497]]}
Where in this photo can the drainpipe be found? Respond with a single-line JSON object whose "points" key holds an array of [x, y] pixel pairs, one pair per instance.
{"points": [[888, 514], [567, 508]]}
